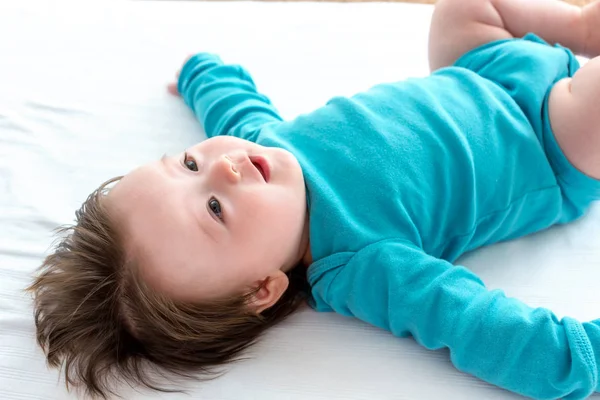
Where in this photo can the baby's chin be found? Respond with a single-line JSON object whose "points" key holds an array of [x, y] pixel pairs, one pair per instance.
{"points": [[292, 162], [296, 173]]}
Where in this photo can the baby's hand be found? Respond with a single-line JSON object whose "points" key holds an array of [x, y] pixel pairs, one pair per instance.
{"points": [[172, 87]]}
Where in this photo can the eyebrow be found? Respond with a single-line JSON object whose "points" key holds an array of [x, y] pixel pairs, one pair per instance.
{"points": [[164, 160]]}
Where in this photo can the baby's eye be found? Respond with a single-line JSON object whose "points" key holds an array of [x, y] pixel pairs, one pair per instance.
{"points": [[189, 163], [215, 208]]}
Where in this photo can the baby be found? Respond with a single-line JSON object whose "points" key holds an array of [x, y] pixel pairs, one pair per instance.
{"points": [[361, 207]]}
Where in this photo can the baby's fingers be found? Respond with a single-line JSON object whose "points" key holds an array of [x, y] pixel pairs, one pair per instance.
{"points": [[172, 88]]}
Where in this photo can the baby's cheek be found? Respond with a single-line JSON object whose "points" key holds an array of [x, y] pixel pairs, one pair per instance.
{"points": [[291, 210]]}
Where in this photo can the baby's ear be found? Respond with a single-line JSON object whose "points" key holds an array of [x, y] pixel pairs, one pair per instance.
{"points": [[271, 290]]}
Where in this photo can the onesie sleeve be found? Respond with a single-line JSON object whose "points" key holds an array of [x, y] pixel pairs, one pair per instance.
{"points": [[395, 286], [224, 98]]}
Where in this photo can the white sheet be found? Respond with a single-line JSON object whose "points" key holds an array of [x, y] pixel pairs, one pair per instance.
{"points": [[82, 98]]}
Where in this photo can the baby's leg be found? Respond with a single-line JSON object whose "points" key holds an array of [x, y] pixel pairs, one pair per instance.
{"points": [[575, 117], [458, 26]]}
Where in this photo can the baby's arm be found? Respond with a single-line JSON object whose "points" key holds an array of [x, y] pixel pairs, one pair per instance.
{"points": [[396, 286], [224, 97], [461, 25]]}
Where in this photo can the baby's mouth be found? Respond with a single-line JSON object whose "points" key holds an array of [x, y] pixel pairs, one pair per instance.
{"points": [[262, 166]]}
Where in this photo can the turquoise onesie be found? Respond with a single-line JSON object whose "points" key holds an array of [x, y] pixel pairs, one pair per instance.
{"points": [[404, 178]]}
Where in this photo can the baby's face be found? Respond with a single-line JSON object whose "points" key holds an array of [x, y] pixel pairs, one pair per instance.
{"points": [[213, 220]]}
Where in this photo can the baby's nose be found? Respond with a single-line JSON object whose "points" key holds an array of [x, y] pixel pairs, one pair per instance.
{"points": [[227, 169]]}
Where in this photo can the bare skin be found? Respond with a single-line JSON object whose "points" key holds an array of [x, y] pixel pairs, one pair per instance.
{"points": [[461, 25], [269, 234], [208, 223]]}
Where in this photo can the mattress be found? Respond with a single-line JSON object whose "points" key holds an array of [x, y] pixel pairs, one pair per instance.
{"points": [[82, 99]]}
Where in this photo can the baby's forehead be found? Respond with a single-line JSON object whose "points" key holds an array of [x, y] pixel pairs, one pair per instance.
{"points": [[135, 195], [136, 181]]}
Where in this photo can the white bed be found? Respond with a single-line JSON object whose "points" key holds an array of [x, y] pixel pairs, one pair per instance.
{"points": [[82, 99]]}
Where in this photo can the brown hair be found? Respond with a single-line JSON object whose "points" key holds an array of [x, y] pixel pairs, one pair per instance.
{"points": [[99, 322]]}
